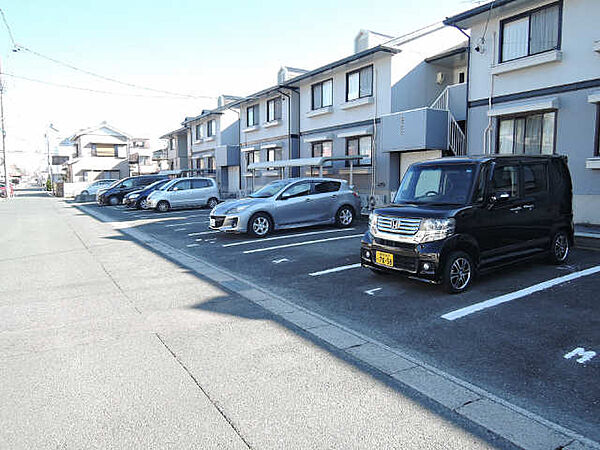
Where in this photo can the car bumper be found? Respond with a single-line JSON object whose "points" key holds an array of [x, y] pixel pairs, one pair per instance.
{"points": [[416, 260], [230, 224]]}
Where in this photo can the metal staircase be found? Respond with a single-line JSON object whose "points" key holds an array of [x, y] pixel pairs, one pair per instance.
{"points": [[456, 137]]}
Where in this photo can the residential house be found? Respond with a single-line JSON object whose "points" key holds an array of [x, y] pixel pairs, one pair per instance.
{"points": [[176, 149], [99, 152], [344, 108], [140, 157], [213, 143], [269, 130], [60, 154], [534, 86]]}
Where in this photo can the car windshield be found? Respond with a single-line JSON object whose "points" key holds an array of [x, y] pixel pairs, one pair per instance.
{"points": [[168, 184], [444, 184], [113, 184], [270, 189]]}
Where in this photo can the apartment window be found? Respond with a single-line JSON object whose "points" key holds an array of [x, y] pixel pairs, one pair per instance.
{"points": [[274, 109], [252, 115], [252, 157], [198, 132], [359, 83], [322, 94], [320, 149], [106, 150], [360, 146], [144, 160], [274, 154], [59, 160], [530, 33], [210, 163], [530, 134], [210, 128]]}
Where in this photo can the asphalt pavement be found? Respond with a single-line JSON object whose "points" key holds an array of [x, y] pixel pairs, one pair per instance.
{"points": [[515, 350], [106, 342]]}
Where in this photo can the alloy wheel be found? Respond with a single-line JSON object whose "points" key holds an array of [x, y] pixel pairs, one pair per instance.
{"points": [[212, 203], [144, 204], [345, 216], [460, 273], [260, 226], [561, 247]]}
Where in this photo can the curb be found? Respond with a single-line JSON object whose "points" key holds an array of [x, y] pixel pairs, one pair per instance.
{"points": [[502, 418]]}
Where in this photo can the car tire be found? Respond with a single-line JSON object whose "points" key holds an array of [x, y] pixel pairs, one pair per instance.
{"points": [[163, 206], [212, 202], [559, 247], [113, 201], [143, 204], [259, 225], [344, 217], [458, 272], [85, 193]]}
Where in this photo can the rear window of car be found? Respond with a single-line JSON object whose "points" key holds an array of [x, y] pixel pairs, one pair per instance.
{"points": [[198, 184], [322, 187], [534, 178]]}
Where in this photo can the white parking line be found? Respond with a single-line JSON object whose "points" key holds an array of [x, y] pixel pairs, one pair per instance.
{"points": [[202, 233], [193, 245], [287, 236], [462, 312], [335, 269], [180, 229], [297, 244]]}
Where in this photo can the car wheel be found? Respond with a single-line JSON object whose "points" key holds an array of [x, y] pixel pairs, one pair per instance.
{"points": [[163, 206], [212, 203], [458, 272], [259, 225], [559, 247], [143, 204], [113, 201], [85, 193], [344, 217]]}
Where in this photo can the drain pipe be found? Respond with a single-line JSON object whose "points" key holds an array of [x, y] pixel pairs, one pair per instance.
{"points": [[289, 134], [372, 201], [467, 86], [487, 135]]}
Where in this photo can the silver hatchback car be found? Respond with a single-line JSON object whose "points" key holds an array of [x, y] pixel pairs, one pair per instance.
{"points": [[289, 203], [184, 193]]}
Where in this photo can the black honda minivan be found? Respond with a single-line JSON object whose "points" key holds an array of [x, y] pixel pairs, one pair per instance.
{"points": [[119, 189], [455, 217]]}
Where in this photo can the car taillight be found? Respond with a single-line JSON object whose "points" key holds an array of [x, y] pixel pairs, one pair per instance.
{"points": [[355, 194]]}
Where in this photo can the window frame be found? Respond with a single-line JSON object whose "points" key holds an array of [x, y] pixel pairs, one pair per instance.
{"points": [[198, 131], [274, 102], [252, 153], [524, 116], [274, 151], [312, 96], [255, 115], [359, 70], [358, 162], [528, 14], [210, 128]]}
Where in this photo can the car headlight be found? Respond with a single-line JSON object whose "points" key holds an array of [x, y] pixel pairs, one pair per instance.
{"points": [[372, 223], [436, 229], [236, 209]]}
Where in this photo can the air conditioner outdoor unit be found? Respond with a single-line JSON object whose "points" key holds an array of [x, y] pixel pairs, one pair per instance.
{"points": [[439, 78]]}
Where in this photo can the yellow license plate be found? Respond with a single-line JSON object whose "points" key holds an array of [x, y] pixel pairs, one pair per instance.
{"points": [[385, 259]]}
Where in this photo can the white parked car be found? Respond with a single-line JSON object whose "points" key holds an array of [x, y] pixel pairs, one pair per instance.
{"points": [[185, 193], [92, 189]]}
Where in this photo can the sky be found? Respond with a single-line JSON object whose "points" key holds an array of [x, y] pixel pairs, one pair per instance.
{"points": [[190, 47]]}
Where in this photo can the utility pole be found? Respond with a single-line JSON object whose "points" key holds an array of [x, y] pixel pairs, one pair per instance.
{"points": [[49, 159], [6, 180]]}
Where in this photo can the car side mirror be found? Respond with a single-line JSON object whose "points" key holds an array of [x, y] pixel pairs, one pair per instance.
{"points": [[175, 189], [283, 197], [498, 197]]}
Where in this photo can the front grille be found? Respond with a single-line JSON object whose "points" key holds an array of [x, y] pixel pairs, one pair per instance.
{"points": [[398, 225], [218, 221], [395, 244]]}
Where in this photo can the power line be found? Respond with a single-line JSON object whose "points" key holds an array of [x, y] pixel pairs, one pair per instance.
{"points": [[96, 91], [18, 47]]}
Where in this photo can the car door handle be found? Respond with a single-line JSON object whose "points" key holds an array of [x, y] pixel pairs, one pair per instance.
{"points": [[516, 209], [307, 200], [334, 196], [529, 207]]}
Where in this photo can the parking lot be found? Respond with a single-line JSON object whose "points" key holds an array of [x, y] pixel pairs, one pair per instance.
{"points": [[536, 349]]}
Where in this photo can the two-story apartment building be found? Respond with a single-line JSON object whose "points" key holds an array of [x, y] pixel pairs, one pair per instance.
{"points": [[344, 107], [140, 157], [534, 86], [269, 130], [213, 144], [99, 152], [176, 149]]}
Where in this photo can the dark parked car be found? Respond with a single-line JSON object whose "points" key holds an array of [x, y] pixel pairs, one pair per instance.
{"points": [[455, 217], [139, 199], [117, 191]]}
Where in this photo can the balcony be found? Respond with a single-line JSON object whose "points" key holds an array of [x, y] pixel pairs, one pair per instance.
{"points": [[417, 129], [227, 155]]}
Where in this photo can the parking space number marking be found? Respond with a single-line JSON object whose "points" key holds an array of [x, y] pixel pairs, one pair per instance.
{"points": [[584, 355]]}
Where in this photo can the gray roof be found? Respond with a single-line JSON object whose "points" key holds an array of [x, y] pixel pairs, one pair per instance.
{"points": [[456, 19], [341, 62]]}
